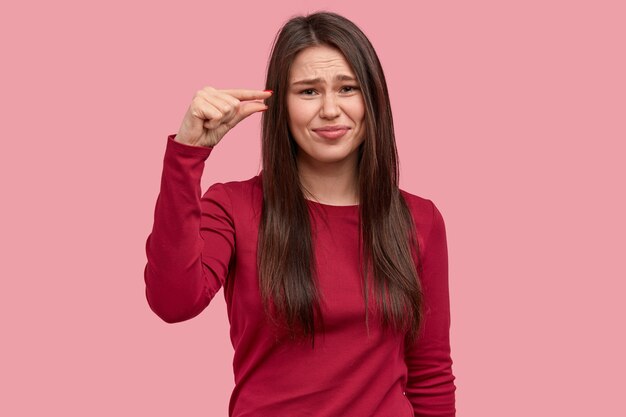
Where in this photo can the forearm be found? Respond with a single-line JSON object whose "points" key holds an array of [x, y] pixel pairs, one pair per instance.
{"points": [[176, 285]]}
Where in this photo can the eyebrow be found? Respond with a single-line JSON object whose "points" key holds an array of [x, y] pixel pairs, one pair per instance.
{"points": [[340, 77]]}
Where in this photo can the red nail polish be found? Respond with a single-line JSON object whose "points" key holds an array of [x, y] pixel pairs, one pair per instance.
{"points": [[271, 91]]}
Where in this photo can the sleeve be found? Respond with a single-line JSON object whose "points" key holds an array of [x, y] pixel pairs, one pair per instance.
{"points": [[430, 386], [192, 241]]}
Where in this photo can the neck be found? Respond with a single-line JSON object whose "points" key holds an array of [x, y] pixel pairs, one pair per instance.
{"points": [[335, 184]]}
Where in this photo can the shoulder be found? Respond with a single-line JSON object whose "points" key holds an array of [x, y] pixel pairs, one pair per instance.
{"points": [[420, 207], [426, 215]]}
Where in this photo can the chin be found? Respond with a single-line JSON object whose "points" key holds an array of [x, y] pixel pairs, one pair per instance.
{"points": [[329, 157]]}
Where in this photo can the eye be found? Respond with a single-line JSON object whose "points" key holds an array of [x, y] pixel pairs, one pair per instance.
{"points": [[352, 87]]}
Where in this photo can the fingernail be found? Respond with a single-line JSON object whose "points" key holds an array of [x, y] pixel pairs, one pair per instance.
{"points": [[271, 91]]}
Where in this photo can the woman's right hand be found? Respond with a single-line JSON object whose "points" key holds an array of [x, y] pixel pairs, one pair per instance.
{"points": [[213, 113]]}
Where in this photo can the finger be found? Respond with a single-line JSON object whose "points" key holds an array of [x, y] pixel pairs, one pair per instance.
{"points": [[210, 115], [243, 94], [246, 109], [224, 104], [227, 97]]}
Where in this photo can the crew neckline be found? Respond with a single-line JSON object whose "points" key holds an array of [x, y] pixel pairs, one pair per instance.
{"points": [[331, 205], [331, 209]]}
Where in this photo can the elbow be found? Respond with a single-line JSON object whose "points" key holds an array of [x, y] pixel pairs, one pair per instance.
{"points": [[171, 319], [167, 318], [165, 314], [169, 312], [174, 301], [174, 306]]}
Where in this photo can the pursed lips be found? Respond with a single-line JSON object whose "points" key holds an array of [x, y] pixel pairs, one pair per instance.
{"points": [[331, 128]]}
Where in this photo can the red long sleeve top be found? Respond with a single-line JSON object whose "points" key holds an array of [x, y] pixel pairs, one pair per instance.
{"points": [[201, 243]]}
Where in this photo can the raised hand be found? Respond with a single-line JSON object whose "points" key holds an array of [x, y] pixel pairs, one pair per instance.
{"points": [[214, 112]]}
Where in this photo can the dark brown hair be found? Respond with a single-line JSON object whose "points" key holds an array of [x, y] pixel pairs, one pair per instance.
{"points": [[387, 230]]}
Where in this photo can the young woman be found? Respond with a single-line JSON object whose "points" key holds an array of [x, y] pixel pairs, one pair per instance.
{"points": [[322, 242]]}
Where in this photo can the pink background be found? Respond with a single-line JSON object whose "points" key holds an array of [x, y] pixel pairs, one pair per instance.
{"points": [[510, 116]]}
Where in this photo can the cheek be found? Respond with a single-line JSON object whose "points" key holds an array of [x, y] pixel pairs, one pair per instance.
{"points": [[356, 111], [300, 113]]}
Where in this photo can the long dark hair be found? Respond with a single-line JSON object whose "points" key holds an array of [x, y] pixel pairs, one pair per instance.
{"points": [[387, 230]]}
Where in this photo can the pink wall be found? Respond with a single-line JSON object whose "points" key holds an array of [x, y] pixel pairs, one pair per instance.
{"points": [[511, 118]]}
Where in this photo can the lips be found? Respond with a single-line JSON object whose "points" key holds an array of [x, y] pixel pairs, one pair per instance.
{"points": [[331, 128], [332, 134]]}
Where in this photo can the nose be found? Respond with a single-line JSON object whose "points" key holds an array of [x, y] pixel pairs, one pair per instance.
{"points": [[329, 108]]}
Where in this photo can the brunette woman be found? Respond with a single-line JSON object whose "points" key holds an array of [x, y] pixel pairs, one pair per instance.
{"points": [[335, 279]]}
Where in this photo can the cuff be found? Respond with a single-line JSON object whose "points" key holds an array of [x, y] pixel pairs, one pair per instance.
{"points": [[174, 145]]}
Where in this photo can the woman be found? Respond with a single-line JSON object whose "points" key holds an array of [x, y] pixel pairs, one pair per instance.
{"points": [[302, 248]]}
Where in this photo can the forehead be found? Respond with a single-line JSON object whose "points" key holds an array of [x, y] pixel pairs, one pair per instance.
{"points": [[317, 60]]}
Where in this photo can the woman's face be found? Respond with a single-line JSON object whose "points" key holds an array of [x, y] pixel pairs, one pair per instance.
{"points": [[322, 92]]}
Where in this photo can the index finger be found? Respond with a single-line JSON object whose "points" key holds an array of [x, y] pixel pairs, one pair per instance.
{"points": [[244, 94]]}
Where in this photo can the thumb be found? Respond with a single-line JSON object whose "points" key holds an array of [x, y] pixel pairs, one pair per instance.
{"points": [[246, 108]]}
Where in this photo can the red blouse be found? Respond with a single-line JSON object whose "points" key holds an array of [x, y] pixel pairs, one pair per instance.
{"points": [[201, 243]]}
